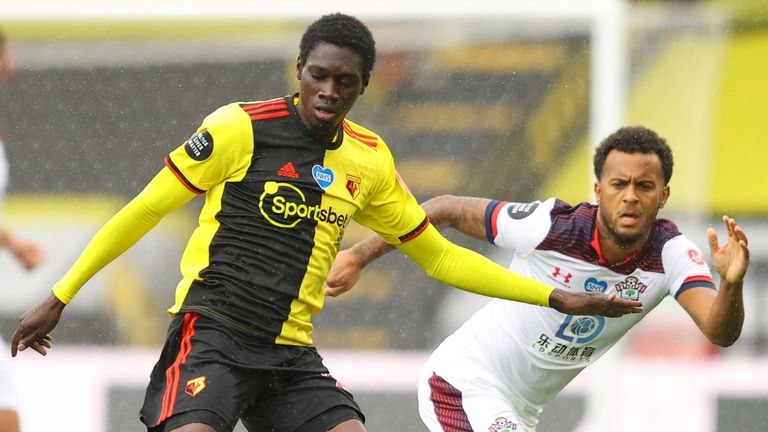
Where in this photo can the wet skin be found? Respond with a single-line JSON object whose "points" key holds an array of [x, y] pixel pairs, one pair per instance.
{"points": [[330, 81], [630, 192]]}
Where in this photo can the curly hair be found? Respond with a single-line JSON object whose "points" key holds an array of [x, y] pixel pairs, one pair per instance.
{"points": [[344, 31], [635, 139]]}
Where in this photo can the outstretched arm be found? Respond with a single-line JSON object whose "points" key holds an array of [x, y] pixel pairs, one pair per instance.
{"points": [[720, 315], [469, 270], [161, 196], [465, 214]]}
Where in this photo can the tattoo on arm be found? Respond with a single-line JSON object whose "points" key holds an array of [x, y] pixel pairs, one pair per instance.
{"points": [[370, 249], [466, 214]]}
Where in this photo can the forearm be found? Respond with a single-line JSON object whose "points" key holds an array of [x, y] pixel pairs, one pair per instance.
{"points": [[163, 195], [726, 317], [370, 249]]}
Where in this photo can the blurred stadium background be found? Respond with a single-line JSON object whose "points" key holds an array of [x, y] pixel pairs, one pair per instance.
{"points": [[470, 101]]}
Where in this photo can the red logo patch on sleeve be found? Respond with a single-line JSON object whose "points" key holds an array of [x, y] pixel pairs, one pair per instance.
{"points": [[696, 256]]}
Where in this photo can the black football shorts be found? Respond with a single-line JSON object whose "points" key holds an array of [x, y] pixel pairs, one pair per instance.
{"points": [[212, 373]]}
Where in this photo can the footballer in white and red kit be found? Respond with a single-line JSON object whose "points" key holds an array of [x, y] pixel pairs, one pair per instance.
{"points": [[509, 359]]}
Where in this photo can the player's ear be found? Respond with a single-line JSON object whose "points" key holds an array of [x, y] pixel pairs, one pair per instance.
{"points": [[664, 196], [597, 190], [299, 66]]}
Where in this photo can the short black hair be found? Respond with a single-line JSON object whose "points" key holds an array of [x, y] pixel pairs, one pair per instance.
{"points": [[344, 31], [635, 139]]}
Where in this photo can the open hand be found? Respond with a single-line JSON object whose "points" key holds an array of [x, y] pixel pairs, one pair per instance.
{"points": [[730, 260]]}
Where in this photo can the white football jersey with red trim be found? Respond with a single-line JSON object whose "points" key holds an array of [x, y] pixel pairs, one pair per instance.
{"points": [[530, 353]]}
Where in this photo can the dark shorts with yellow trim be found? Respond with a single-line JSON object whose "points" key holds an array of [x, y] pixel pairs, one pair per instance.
{"points": [[211, 373]]}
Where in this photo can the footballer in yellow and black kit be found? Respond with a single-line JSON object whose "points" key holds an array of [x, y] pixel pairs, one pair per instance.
{"points": [[277, 203]]}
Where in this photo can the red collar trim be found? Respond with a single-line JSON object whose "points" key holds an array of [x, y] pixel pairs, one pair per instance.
{"points": [[595, 243]]}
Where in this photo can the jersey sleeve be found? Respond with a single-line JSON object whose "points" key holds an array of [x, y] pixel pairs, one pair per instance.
{"points": [[518, 226], [468, 270], [685, 266], [392, 212], [161, 196], [217, 152]]}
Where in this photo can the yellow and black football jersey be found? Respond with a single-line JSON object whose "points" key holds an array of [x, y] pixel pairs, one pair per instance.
{"points": [[277, 202]]}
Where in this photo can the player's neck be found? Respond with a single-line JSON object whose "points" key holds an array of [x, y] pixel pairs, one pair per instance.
{"points": [[614, 251]]}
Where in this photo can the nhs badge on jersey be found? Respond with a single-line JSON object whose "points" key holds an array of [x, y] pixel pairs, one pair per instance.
{"points": [[323, 176], [596, 286], [630, 288]]}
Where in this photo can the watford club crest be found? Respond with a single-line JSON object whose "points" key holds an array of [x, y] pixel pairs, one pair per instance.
{"points": [[353, 185], [195, 386]]}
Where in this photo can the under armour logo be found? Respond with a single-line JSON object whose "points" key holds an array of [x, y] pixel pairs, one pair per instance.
{"points": [[566, 278]]}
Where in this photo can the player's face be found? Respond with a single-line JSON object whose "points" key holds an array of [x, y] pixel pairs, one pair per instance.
{"points": [[330, 81], [630, 193]]}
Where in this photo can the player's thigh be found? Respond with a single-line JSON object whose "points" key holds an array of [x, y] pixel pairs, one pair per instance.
{"points": [[194, 427], [350, 426], [305, 402], [489, 409], [472, 405], [340, 418]]}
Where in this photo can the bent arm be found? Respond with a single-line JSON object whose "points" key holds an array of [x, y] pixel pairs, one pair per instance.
{"points": [[468, 270], [720, 316], [162, 195], [466, 214]]}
